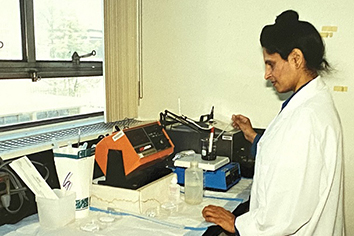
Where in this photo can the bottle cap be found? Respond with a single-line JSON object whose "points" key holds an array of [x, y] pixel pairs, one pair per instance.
{"points": [[174, 179], [194, 164]]}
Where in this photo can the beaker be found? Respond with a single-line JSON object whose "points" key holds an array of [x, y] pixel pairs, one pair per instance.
{"points": [[208, 149]]}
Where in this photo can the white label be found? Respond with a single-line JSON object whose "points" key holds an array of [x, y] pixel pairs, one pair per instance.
{"points": [[224, 137], [118, 136]]}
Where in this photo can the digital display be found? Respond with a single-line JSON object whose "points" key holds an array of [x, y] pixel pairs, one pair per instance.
{"points": [[137, 137]]}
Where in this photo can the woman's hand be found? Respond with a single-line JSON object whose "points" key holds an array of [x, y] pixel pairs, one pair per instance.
{"points": [[244, 124], [220, 216]]}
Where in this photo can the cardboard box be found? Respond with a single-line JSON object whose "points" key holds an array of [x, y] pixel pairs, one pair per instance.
{"points": [[137, 201]]}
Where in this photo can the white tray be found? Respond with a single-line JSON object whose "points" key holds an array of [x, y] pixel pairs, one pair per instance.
{"points": [[205, 165]]}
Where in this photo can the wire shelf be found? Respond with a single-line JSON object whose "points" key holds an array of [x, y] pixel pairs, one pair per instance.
{"points": [[65, 134]]}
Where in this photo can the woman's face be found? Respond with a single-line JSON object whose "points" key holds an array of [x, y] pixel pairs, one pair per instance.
{"points": [[280, 72]]}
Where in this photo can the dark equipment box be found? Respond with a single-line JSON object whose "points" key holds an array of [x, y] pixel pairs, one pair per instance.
{"points": [[231, 144]]}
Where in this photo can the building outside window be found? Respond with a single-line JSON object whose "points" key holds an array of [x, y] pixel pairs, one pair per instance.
{"points": [[51, 55]]}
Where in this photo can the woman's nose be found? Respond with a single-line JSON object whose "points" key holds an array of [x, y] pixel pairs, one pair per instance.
{"points": [[267, 74]]}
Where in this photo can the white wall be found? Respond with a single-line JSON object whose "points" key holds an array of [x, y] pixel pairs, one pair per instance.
{"points": [[207, 53]]}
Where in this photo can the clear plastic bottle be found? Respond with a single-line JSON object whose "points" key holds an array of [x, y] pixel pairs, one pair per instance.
{"points": [[174, 195], [193, 184], [174, 190]]}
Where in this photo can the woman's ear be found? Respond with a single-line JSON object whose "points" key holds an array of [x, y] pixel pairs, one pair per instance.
{"points": [[296, 57]]}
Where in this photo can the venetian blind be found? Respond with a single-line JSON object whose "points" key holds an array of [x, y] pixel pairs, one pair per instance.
{"points": [[121, 59]]}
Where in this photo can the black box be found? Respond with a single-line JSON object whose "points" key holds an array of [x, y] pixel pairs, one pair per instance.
{"points": [[231, 144]]}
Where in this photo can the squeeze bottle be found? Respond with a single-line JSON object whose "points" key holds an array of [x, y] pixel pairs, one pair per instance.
{"points": [[193, 184]]}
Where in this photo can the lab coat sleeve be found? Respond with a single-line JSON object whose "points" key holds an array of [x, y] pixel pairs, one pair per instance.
{"points": [[292, 177], [254, 145]]}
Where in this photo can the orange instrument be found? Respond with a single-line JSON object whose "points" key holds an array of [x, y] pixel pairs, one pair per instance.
{"points": [[138, 146]]}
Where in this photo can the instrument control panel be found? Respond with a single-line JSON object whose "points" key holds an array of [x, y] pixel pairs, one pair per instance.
{"points": [[147, 140]]}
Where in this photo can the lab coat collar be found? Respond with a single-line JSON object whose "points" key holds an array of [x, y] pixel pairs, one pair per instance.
{"points": [[288, 100], [304, 93]]}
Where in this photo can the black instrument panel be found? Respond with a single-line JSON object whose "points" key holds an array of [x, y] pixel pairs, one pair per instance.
{"points": [[148, 139]]}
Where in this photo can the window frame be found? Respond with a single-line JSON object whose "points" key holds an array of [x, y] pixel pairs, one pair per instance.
{"points": [[30, 68], [126, 55]]}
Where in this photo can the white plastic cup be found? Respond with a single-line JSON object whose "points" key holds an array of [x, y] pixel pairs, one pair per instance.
{"points": [[54, 213]]}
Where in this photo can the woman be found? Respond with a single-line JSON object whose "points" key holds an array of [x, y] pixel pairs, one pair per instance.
{"points": [[298, 183]]}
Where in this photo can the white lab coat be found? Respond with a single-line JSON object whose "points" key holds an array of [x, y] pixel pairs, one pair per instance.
{"points": [[298, 181]]}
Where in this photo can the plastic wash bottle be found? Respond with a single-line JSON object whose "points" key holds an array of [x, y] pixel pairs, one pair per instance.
{"points": [[193, 184]]}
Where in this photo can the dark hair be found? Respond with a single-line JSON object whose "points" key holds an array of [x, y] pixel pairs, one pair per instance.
{"points": [[288, 33]]}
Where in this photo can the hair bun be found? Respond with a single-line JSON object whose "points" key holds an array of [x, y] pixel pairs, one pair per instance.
{"points": [[288, 18]]}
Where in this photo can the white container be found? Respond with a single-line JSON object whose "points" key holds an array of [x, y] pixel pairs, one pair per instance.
{"points": [[54, 213], [138, 201], [193, 184], [75, 170]]}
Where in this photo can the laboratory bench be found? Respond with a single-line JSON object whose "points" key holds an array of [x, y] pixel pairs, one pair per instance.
{"points": [[187, 220]]}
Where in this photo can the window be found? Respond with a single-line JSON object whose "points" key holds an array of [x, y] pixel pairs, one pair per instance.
{"points": [[51, 55], [10, 32]]}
